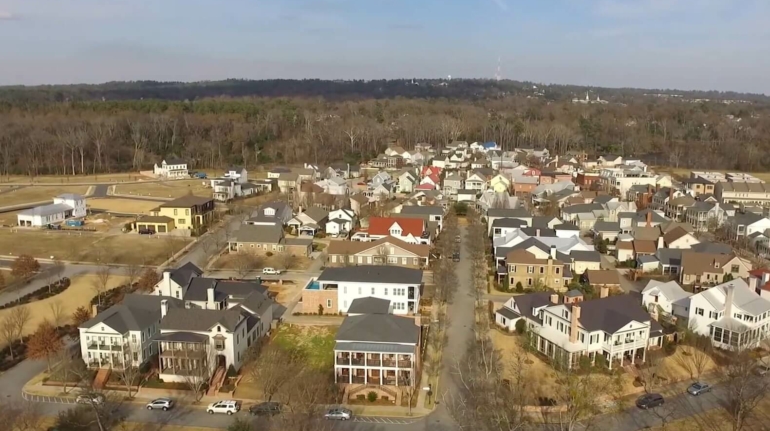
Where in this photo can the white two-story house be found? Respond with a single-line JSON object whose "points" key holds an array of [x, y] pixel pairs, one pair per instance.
{"points": [[731, 314], [336, 288], [171, 168], [612, 327]]}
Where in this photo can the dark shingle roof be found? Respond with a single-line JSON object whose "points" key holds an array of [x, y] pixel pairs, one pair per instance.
{"points": [[509, 222], [373, 274], [186, 202], [527, 302], [585, 256], [669, 256], [185, 273], [611, 313], [606, 226], [379, 328], [509, 213], [135, 313], [427, 209], [266, 234], [712, 247], [198, 319], [369, 305], [197, 291]]}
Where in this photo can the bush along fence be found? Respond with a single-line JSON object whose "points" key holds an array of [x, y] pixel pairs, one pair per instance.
{"points": [[44, 292]]}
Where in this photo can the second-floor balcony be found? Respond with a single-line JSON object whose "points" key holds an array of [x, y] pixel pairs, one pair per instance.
{"points": [[105, 346]]}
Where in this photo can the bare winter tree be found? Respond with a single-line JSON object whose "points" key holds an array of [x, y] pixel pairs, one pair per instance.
{"points": [[102, 280], [197, 377], [287, 260], [132, 270], [8, 332], [245, 262], [129, 375], [743, 391], [21, 416], [272, 367], [58, 314], [20, 317]]}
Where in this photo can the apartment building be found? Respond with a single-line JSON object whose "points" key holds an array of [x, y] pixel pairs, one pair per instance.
{"points": [[744, 193]]}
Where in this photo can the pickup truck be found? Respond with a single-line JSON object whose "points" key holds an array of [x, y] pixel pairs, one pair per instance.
{"points": [[271, 271]]}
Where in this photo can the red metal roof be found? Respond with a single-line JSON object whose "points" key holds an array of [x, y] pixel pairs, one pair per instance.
{"points": [[382, 225]]}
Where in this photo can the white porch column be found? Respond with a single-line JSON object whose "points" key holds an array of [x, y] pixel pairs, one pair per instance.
{"points": [[644, 355], [633, 354]]}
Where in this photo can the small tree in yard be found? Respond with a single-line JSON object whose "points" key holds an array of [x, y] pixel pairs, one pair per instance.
{"points": [[8, 332], [24, 266], [80, 316], [147, 280], [130, 375], [57, 313], [521, 326], [320, 309], [519, 287], [287, 260], [20, 316], [44, 343], [197, 378], [103, 275]]}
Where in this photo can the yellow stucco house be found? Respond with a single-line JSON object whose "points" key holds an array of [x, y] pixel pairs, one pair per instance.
{"points": [[500, 183], [187, 212]]}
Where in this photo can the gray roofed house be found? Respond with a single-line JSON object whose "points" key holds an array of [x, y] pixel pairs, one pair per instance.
{"points": [[539, 232], [317, 214], [611, 313], [423, 209], [135, 313], [46, 210], [185, 273], [603, 199], [566, 227], [509, 213], [198, 319], [585, 256], [369, 305], [581, 208], [373, 274], [544, 221], [265, 234], [378, 328], [509, 223], [712, 247], [606, 226], [223, 289], [527, 303]]}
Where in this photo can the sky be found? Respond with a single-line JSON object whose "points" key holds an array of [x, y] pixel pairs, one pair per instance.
{"points": [[683, 44]]}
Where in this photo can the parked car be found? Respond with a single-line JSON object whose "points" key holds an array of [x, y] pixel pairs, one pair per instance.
{"points": [[339, 414], [271, 271], [90, 399], [762, 369], [161, 403], [145, 232], [225, 406], [456, 257], [269, 408], [458, 239], [649, 401], [698, 388]]}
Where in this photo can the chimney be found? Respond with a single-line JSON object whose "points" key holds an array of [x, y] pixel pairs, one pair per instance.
{"points": [[729, 293], [670, 193], [660, 242], [210, 298], [94, 310], [649, 218], [163, 308], [554, 298], [553, 252], [604, 292], [765, 277], [573, 324]]}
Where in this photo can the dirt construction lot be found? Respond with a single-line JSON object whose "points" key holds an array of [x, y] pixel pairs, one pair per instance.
{"points": [[77, 295], [165, 189], [38, 194], [123, 206], [90, 247]]}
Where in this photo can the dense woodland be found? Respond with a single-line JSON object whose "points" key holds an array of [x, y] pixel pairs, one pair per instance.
{"points": [[129, 126]]}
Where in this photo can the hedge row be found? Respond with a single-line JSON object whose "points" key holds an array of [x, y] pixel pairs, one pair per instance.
{"points": [[44, 292]]}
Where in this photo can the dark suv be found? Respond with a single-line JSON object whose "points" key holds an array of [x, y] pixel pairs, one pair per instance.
{"points": [[649, 401], [456, 256], [268, 408]]}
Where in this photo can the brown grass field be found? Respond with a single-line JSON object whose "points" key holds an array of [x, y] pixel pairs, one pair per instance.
{"points": [[38, 194], [64, 179], [91, 247], [129, 206], [166, 189]]}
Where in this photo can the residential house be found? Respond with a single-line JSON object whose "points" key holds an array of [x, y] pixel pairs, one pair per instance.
{"points": [[500, 183], [407, 181], [476, 181], [660, 298], [336, 288], [602, 278], [385, 251], [583, 261], [676, 208], [526, 268], [697, 186], [430, 182], [270, 213], [606, 230], [630, 221], [123, 335], [394, 151], [358, 202], [613, 327], [524, 185], [337, 186], [709, 268], [499, 213], [708, 215], [491, 199], [341, 222], [411, 230], [586, 180], [381, 177], [732, 315], [434, 213], [377, 352], [759, 282], [679, 238], [272, 174], [187, 212], [309, 222], [609, 160], [288, 182], [669, 260], [268, 239], [64, 206], [381, 192], [464, 195], [632, 250], [743, 193], [747, 224], [501, 227], [452, 183], [171, 168]]}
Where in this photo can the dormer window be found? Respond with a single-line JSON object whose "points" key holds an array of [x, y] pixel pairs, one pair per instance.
{"points": [[219, 328]]}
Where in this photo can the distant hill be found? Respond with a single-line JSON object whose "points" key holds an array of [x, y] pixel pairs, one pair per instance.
{"points": [[465, 89]]}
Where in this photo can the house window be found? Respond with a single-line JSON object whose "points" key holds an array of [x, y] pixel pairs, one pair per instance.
{"points": [[386, 291], [699, 311], [175, 211], [180, 221], [557, 269], [529, 282], [359, 290], [328, 303], [372, 291], [530, 270], [734, 268]]}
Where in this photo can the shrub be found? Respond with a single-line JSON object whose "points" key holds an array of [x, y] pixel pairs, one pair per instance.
{"points": [[669, 347], [269, 254], [521, 326], [371, 396], [44, 292], [519, 287], [320, 309], [231, 371]]}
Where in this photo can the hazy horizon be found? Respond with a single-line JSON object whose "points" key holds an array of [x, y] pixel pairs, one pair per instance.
{"points": [[663, 44]]}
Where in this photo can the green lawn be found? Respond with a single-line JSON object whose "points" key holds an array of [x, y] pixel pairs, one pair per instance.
{"points": [[315, 342]]}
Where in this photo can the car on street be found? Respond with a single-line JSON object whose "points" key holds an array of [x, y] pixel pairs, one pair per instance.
{"points": [[698, 388], [456, 257], [338, 414], [762, 369], [268, 408], [161, 403], [649, 401], [225, 406], [90, 399], [271, 271], [458, 239]]}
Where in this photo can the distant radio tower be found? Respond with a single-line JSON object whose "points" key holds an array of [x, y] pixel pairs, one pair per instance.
{"points": [[499, 73]]}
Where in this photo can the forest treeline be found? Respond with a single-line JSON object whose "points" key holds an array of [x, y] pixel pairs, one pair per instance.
{"points": [[70, 136]]}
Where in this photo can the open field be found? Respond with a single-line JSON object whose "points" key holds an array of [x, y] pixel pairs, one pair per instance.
{"points": [[91, 247], [50, 422], [77, 295], [316, 342], [230, 261], [165, 189], [128, 206], [9, 218], [685, 173], [38, 194], [64, 179]]}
